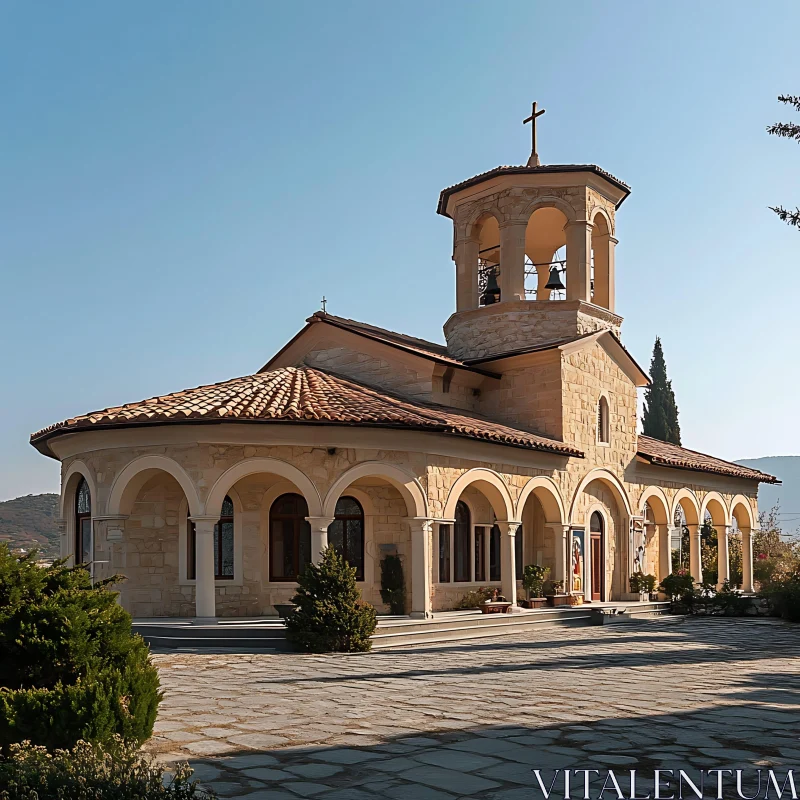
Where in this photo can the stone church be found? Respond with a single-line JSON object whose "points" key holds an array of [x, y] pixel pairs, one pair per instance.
{"points": [[514, 443]]}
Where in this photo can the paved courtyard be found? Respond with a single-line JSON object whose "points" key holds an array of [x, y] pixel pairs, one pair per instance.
{"points": [[473, 720]]}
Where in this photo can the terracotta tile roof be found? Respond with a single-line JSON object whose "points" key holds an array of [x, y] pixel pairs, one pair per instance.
{"points": [[670, 455], [431, 350], [520, 170], [302, 395]]}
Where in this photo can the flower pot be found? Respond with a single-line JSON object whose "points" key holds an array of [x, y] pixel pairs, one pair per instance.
{"points": [[284, 609], [554, 600], [534, 602]]}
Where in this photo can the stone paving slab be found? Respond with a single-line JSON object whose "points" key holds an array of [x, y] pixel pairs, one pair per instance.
{"points": [[472, 720]]}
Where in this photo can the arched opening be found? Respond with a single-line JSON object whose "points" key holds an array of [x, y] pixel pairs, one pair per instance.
{"points": [[84, 549], [486, 232], [743, 520], [658, 556], [545, 254], [346, 533], [686, 519], [602, 270], [289, 538], [714, 550], [603, 422], [224, 545]]}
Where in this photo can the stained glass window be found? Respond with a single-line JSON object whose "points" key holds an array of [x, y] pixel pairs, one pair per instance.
{"points": [[223, 545], [346, 533], [83, 523]]}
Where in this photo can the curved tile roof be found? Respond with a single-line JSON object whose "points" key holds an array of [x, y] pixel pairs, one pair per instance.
{"points": [[301, 395], [671, 455]]}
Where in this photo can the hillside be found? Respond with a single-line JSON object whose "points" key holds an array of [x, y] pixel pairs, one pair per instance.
{"points": [[29, 522], [787, 495]]}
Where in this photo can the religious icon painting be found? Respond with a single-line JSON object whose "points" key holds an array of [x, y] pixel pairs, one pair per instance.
{"points": [[637, 544], [577, 559]]}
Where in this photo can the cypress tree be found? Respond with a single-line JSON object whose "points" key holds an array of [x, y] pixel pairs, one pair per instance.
{"points": [[660, 418]]}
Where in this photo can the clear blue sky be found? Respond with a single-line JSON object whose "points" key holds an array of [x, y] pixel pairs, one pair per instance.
{"points": [[181, 182]]}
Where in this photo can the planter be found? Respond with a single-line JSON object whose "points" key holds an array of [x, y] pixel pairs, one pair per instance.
{"points": [[534, 602], [284, 609], [495, 607], [554, 600]]}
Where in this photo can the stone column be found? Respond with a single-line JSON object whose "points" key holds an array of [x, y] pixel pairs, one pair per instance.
{"points": [[64, 550], [466, 257], [319, 536], [664, 552], [508, 571], [695, 560], [579, 254], [723, 559], [421, 566], [560, 539], [204, 590], [512, 261], [604, 245], [747, 559]]}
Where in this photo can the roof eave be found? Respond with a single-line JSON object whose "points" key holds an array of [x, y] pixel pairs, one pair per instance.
{"points": [[762, 477]]}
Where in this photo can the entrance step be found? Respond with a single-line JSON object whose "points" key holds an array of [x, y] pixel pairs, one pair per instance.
{"points": [[269, 633]]}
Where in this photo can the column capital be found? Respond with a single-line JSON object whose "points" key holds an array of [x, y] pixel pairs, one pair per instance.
{"points": [[575, 223], [511, 526], [204, 524], [424, 524], [321, 523]]}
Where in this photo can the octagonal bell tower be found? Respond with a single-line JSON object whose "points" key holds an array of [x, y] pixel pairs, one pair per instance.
{"points": [[534, 253]]}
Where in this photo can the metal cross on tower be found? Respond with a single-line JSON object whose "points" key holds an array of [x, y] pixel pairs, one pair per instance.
{"points": [[533, 161]]}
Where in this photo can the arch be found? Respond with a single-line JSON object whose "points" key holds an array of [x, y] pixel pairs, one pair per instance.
{"points": [[253, 466], [548, 494], [492, 486], [136, 473], [660, 509], [738, 503], [715, 505], [686, 499], [611, 481], [476, 220], [69, 483], [605, 225], [408, 486], [549, 201]]}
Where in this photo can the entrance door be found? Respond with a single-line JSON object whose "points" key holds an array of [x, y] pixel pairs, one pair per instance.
{"points": [[598, 562]]}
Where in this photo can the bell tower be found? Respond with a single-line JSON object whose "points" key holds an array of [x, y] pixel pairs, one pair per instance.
{"points": [[534, 252]]}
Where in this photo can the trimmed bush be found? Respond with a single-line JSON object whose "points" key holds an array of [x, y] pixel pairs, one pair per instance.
{"points": [[330, 615], [393, 584], [70, 667], [678, 584], [474, 599], [533, 578], [783, 597], [91, 772]]}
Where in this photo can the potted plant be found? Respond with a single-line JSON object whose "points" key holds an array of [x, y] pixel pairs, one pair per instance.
{"points": [[635, 582], [533, 578], [649, 586], [556, 597]]}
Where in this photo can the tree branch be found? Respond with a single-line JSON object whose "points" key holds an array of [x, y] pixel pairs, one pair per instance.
{"points": [[788, 130], [790, 99], [789, 217]]}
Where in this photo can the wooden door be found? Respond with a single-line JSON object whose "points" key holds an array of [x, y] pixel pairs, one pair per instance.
{"points": [[598, 566]]}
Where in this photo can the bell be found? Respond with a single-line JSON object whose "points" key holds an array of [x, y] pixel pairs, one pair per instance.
{"points": [[491, 294], [554, 281]]}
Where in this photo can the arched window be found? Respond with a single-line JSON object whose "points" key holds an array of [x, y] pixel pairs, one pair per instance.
{"points": [[83, 523], [461, 542], [596, 523], [346, 533], [603, 427], [223, 545], [289, 537]]}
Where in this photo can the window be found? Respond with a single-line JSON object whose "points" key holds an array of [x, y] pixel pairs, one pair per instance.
{"points": [[494, 554], [83, 524], [223, 545], [461, 542], [480, 554], [346, 534], [444, 554], [289, 537], [596, 523], [603, 427]]}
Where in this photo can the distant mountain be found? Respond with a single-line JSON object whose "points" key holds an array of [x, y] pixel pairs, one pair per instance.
{"points": [[29, 522], [787, 495]]}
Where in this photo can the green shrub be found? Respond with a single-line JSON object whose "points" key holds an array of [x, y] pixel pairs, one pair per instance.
{"points": [[70, 667], [473, 599], [678, 584], [393, 584], [91, 772], [635, 583], [783, 597], [729, 602], [533, 577], [330, 615]]}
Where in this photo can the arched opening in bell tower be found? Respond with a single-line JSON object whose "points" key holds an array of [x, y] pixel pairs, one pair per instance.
{"points": [[545, 255], [602, 285]]}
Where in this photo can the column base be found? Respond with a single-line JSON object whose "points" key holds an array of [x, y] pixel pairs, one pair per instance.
{"points": [[514, 610], [205, 620], [421, 615]]}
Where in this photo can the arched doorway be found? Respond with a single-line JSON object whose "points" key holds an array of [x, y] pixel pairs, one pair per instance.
{"points": [[597, 555]]}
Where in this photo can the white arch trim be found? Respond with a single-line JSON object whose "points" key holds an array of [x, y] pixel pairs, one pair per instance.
{"points": [[547, 485], [549, 201], [611, 481], [490, 484], [741, 500], [686, 494], [658, 493], [715, 496], [253, 466], [130, 480], [408, 486], [69, 483]]}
